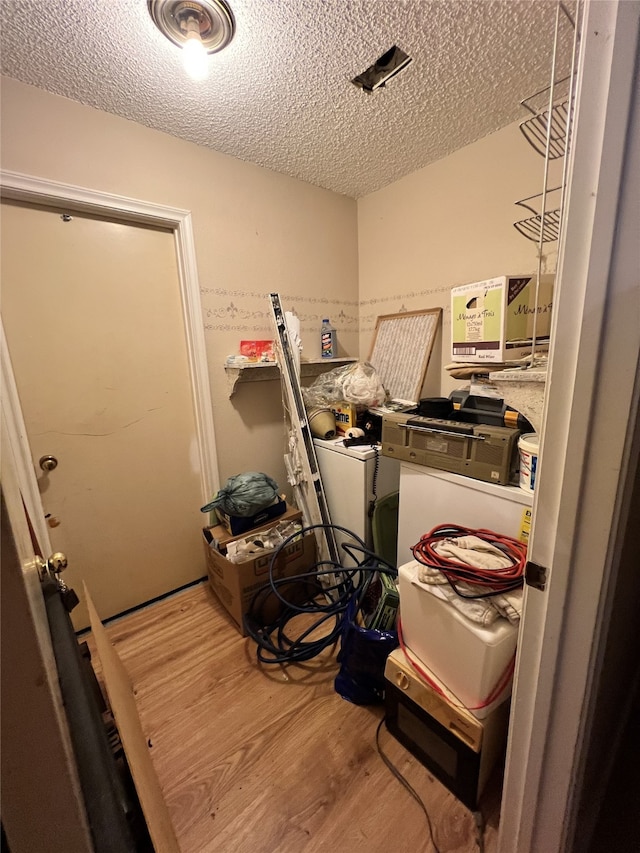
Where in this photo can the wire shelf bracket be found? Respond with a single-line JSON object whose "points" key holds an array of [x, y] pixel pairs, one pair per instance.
{"points": [[536, 130], [544, 225]]}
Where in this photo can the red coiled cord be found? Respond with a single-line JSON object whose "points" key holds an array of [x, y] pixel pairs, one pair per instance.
{"points": [[495, 580]]}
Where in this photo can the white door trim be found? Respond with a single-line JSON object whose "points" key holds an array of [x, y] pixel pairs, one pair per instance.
{"points": [[18, 187], [18, 445], [589, 409]]}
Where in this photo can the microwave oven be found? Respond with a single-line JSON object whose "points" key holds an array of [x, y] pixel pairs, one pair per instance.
{"points": [[458, 748]]}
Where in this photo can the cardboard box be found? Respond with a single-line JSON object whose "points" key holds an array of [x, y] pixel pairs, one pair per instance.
{"points": [[257, 350], [492, 320], [237, 524], [235, 584], [346, 415], [221, 536]]}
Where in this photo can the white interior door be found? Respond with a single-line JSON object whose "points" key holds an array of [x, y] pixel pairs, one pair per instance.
{"points": [[93, 320]]}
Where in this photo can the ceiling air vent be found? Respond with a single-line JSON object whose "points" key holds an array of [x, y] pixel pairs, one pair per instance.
{"points": [[383, 69]]}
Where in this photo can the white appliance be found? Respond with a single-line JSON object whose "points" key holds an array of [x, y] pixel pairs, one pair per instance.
{"points": [[429, 498], [352, 477], [469, 658]]}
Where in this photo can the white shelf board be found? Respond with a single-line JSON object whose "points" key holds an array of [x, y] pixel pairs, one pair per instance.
{"points": [[261, 371]]}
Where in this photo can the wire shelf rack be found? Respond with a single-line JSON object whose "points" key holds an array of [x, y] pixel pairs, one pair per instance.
{"points": [[548, 131], [543, 226]]}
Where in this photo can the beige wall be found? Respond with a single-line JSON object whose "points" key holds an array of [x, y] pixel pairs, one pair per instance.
{"points": [[448, 224], [256, 232]]}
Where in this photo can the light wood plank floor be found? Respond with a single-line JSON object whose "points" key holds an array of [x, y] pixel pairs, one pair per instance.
{"points": [[256, 759]]}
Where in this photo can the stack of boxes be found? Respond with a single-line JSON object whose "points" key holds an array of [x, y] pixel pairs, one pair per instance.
{"points": [[446, 723]]}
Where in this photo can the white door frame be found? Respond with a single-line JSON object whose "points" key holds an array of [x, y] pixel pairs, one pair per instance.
{"points": [[17, 442], [24, 188], [590, 408]]}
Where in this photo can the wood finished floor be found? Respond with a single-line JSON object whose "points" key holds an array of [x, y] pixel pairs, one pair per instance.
{"points": [[256, 759]]}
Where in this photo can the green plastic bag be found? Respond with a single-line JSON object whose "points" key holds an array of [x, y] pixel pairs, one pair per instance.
{"points": [[244, 495]]}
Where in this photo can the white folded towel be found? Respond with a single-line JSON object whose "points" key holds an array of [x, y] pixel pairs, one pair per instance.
{"points": [[475, 552]]}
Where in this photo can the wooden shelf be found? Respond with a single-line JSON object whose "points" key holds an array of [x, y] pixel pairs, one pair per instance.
{"points": [[261, 371]]}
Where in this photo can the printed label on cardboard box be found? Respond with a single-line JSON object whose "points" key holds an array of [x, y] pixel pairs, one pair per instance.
{"points": [[288, 553], [521, 308], [477, 315], [494, 319]]}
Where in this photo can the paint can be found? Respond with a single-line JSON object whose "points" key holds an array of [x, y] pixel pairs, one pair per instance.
{"points": [[528, 445]]}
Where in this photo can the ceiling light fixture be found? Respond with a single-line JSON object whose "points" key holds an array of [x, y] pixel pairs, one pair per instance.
{"points": [[199, 27]]}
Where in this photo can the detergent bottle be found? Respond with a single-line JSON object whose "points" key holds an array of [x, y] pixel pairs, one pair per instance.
{"points": [[328, 347]]}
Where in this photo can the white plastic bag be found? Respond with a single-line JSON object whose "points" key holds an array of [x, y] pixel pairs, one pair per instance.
{"points": [[356, 383]]}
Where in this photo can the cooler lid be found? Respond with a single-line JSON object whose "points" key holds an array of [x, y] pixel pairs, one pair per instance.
{"points": [[358, 451]]}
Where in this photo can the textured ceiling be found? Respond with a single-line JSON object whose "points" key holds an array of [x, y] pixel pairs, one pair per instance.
{"points": [[280, 95]]}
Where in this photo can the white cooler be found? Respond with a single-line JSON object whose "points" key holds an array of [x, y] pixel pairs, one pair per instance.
{"points": [[468, 658]]}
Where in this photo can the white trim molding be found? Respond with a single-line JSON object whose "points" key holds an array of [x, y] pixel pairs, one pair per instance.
{"points": [[18, 187], [16, 443], [589, 412]]}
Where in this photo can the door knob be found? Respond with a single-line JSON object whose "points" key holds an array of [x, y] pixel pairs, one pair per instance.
{"points": [[56, 563], [48, 463]]}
